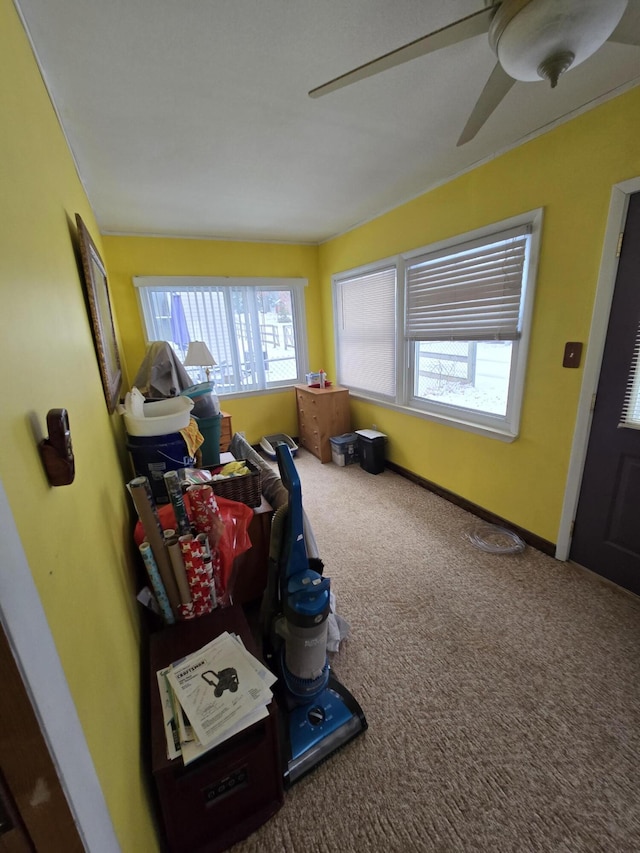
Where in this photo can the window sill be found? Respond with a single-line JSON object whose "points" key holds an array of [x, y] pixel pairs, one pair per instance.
{"points": [[255, 392], [467, 426]]}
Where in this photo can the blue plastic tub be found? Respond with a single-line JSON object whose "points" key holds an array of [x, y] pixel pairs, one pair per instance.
{"points": [[154, 455]]}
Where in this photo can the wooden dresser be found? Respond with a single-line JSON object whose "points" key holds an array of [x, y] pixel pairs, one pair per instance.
{"points": [[322, 414], [226, 432]]}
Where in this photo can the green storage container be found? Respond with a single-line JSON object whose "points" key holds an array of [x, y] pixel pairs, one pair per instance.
{"points": [[210, 448]]}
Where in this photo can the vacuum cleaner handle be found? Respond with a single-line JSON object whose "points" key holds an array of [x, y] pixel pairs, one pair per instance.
{"points": [[308, 593], [295, 549]]}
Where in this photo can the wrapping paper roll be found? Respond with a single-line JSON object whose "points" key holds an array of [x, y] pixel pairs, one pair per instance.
{"points": [[172, 484], [145, 505], [177, 563], [207, 520], [205, 512], [187, 611], [211, 563], [199, 583], [156, 583]]}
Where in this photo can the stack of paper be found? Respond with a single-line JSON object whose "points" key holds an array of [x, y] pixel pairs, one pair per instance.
{"points": [[211, 695]]}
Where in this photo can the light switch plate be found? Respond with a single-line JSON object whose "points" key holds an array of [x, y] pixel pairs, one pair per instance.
{"points": [[572, 354]]}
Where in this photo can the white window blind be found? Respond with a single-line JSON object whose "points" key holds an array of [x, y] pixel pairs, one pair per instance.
{"points": [[253, 327], [472, 293], [366, 331], [630, 416]]}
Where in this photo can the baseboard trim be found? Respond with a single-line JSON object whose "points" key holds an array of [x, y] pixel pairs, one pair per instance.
{"points": [[527, 536]]}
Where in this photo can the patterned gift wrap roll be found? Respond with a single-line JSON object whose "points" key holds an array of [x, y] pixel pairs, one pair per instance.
{"points": [[197, 575], [206, 515], [172, 484], [186, 611], [211, 561], [207, 520], [156, 582]]}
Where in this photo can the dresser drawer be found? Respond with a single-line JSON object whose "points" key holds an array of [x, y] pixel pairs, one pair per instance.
{"points": [[312, 446], [309, 438]]}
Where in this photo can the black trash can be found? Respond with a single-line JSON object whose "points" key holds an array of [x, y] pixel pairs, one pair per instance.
{"points": [[371, 450]]}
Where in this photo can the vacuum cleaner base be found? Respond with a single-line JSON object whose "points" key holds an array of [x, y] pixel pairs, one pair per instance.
{"points": [[316, 730]]}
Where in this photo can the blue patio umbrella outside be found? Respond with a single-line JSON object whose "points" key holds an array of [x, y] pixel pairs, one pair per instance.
{"points": [[179, 329]]}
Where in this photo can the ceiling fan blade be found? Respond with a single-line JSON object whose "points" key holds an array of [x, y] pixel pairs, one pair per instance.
{"points": [[628, 30], [497, 86], [465, 28]]}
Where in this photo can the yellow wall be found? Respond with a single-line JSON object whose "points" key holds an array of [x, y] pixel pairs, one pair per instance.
{"points": [[75, 537], [132, 256], [569, 172]]}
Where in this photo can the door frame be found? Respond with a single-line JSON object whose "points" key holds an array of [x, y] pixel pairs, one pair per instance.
{"points": [[25, 625], [618, 206]]}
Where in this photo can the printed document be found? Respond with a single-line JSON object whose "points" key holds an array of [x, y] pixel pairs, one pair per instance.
{"points": [[222, 689]]}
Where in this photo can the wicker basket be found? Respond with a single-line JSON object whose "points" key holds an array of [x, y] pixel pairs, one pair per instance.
{"points": [[246, 489]]}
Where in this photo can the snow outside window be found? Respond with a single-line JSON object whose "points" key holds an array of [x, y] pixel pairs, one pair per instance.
{"points": [[449, 343]]}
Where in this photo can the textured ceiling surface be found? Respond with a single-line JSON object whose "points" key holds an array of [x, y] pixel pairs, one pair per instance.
{"points": [[193, 118]]}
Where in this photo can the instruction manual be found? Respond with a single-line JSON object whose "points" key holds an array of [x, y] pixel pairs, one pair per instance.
{"points": [[221, 689]]}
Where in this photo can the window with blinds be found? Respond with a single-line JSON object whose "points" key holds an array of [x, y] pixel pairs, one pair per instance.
{"points": [[366, 331], [464, 312], [254, 328], [443, 331], [469, 294]]}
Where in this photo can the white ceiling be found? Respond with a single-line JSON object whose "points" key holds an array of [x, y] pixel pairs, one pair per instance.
{"points": [[191, 118]]}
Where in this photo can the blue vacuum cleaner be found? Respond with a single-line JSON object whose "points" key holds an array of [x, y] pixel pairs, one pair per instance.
{"points": [[319, 714]]}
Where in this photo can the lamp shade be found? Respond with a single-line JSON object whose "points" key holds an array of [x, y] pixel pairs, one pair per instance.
{"points": [[198, 355]]}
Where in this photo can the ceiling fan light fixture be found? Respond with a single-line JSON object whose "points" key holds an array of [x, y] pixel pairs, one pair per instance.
{"points": [[550, 69], [535, 38]]}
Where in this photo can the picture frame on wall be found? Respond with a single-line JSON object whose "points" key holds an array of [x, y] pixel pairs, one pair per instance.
{"points": [[104, 335]]}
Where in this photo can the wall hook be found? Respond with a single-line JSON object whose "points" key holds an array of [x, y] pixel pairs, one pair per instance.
{"points": [[56, 450]]}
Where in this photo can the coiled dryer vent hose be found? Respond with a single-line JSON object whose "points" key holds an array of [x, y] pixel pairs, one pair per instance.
{"points": [[495, 539]]}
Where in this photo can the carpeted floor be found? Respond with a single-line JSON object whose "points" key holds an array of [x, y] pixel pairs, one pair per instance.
{"points": [[501, 691]]}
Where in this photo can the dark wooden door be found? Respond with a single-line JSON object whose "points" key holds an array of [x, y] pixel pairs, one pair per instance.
{"points": [[606, 536], [34, 814]]}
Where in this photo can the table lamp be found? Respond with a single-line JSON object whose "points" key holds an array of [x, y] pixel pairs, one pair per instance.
{"points": [[198, 355]]}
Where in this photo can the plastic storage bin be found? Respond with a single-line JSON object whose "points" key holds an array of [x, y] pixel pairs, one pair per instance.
{"points": [[154, 455], [344, 449], [210, 448], [371, 450], [205, 400]]}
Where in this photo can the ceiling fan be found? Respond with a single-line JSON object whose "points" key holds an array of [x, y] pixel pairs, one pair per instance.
{"points": [[532, 39]]}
